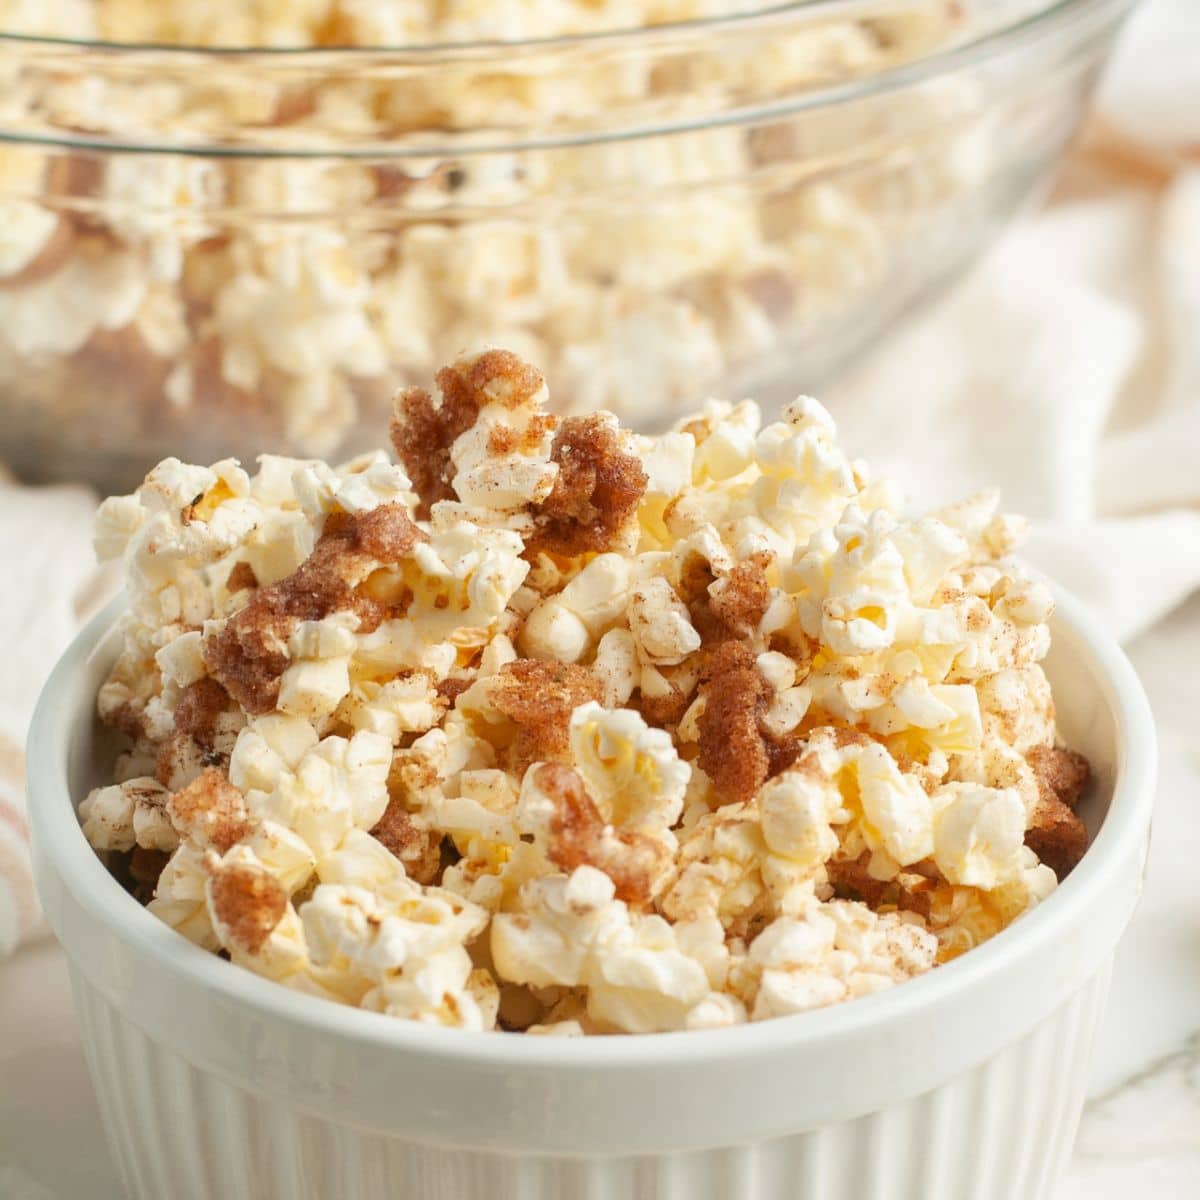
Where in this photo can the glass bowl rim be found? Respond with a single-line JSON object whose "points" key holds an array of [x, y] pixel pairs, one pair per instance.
{"points": [[769, 13], [1049, 17]]}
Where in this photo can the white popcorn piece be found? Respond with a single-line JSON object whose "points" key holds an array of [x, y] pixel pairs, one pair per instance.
{"points": [[552, 631], [837, 951], [660, 623], [719, 874], [727, 447], [117, 520], [393, 709], [181, 660], [799, 810], [573, 932], [631, 771], [334, 786], [493, 483], [318, 678], [403, 956], [467, 575], [978, 834], [616, 666], [180, 899], [357, 487], [128, 814]]}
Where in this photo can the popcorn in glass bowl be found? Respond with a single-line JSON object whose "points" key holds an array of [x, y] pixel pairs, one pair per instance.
{"points": [[240, 227], [555, 727]]}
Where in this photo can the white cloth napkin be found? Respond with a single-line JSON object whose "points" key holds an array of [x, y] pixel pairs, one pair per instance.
{"points": [[1065, 370]]}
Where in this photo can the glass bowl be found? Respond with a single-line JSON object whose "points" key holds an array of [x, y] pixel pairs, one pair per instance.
{"points": [[228, 249]]}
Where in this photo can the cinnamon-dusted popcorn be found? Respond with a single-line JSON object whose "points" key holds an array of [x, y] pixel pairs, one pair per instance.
{"points": [[838, 951], [579, 732], [129, 814]]}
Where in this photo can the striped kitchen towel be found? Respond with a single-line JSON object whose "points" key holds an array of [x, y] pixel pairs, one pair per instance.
{"points": [[51, 586]]}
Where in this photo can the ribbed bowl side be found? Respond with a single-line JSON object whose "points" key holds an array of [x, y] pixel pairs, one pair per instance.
{"points": [[1000, 1131]]}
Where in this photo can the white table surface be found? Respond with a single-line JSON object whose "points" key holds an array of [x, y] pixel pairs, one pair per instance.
{"points": [[1141, 1131]]}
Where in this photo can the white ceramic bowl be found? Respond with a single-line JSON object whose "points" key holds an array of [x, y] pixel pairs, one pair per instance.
{"points": [[964, 1084]]}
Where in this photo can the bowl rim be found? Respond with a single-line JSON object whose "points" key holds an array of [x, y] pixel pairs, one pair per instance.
{"points": [[58, 838], [717, 23], [993, 42]]}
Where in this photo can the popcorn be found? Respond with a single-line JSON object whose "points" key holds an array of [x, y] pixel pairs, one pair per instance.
{"points": [[409, 958], [333, 786], [636, 304], [575, 731], [616, 666], [552, 631], [252, 917], [180, 896], [838, 951], [632, 772], [318, 676], [660, 623], [128, 814], [400, 706], [979, 833], [798, 815], [574, 933]]}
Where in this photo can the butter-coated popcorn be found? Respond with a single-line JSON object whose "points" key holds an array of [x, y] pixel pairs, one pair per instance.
{"points": [[558, 729]]}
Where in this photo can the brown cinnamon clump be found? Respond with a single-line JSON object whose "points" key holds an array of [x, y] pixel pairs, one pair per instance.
{"points": [[736, 753], [250, 654], [423, 432], [596, 492], [738, 604], [199, 707], [540, 697], [451, 688], [418, 848], [145, 866], [851, 880], [741, 598], [241, 578], [249, 902], [696, 576], [503, 440], [579, 837], [193, 744], [1055, 834], [664, 709], [209, 810], [1060, 773]]}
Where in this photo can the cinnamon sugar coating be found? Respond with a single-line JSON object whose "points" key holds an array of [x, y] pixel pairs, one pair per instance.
{"points": [[540, 697], [418, 848], [733, 750], [249, 655], [597, 490], [1055, 834], [250, 903], [580, 837], [210, 809], [424, 430]]}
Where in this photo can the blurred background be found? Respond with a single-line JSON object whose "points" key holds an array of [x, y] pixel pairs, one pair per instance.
{"points": [[972, 227]]}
